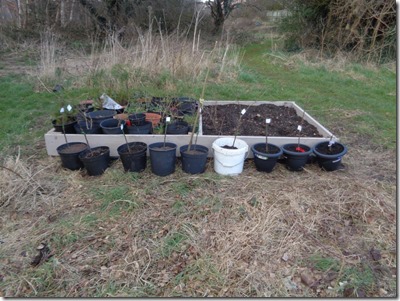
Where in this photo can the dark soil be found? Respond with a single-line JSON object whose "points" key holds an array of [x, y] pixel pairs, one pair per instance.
{"points": [[294, 148], [223, 120], [73, 148], [271, 149], [229, 147], [163, 148], [333, 150], [134, 149], [194, 152], [95, 153]]}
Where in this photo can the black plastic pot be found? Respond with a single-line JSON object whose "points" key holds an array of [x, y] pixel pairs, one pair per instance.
{"points": [[100, 115], [134, 161], [97, 163], [69, 154], [178, 128], [137, 119], [329, 159], [295, 161], [162, 159], [68, 127], [264, 161], [146, 128], [87, 128], [186, 105], [112, 126], [194, 162]]}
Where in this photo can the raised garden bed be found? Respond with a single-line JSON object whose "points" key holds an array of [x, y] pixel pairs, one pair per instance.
{"points": [[215, 122]]}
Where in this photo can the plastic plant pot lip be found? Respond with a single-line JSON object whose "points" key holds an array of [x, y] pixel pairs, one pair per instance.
{"points": [[253, 148], [157, 145], [330, 156], [101, 114], [112, 123], [308, 150], [196, 147], [122, 149], [65, 124], [65, 145]]}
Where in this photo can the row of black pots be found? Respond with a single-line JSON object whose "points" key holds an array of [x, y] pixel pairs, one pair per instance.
{"points": [[76, 155], [296, 156]]}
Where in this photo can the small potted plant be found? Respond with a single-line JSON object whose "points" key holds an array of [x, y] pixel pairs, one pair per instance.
{"points": [[265, 154], [230, 153], [194, 156], [70, 151], [64, 121], [95, 160], [137, 123], [296, 154], [163, 155], [133, 155], [329, 154]]}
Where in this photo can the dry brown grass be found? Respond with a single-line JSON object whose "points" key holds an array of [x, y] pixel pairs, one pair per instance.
{"points": [[204, 235], [118, 65]]}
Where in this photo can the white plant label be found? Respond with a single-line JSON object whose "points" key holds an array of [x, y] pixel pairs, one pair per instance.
{"points": [[62, 110], [69, 108], [268, 120], [243, 111], [122, 127], [168, 119], [331, 143], [299, 128]]}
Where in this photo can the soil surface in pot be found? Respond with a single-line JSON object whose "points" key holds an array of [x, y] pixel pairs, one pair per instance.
{"points": [[73, 148], [95, 153], [295, 148], [334, 149], [229, 147], [223, 119], [134, 149], [164, 148], [193, 152], [271, 149]]}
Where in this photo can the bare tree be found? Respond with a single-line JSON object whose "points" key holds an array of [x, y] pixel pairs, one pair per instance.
{"points": [[220, 10]]}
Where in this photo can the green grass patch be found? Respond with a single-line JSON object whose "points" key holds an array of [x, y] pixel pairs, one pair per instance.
{"points": [[173, 242], [115, 199]]}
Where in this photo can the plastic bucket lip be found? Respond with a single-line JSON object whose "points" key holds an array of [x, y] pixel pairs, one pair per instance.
{"points": [[332, 156], [242, 146], [266, 154], [65, 145], [300, 154]]}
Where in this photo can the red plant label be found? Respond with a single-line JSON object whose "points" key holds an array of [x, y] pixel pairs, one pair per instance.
{"points": [[300, 149]]}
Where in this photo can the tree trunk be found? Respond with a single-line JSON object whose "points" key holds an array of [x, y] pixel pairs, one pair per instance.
{"points": [[19, 19], [62, 13]]}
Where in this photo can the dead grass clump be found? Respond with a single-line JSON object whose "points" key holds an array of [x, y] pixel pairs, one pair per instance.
{"points": [[25, 187], [152, 56]]}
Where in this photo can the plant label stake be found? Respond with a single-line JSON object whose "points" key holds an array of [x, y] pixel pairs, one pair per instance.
{"points": [[167, 120], [127, 145], [238, 126], [62, 110], [331, 142], [299, 128], [298, 148], [267, 122]]}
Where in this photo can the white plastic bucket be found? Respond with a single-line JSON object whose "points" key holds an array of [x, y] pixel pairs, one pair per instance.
{"points": [[229, 161]]}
